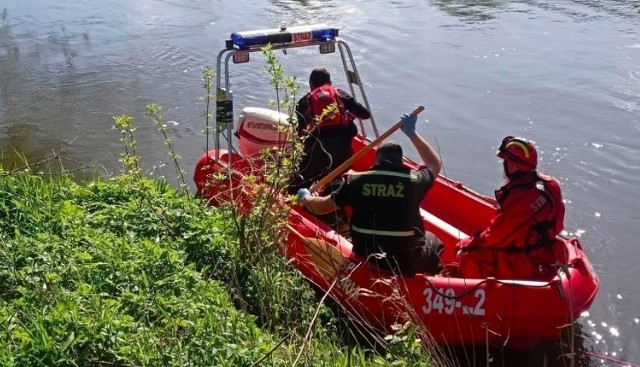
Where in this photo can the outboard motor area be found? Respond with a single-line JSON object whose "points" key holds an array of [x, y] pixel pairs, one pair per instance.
{"points": [[262, 128]]}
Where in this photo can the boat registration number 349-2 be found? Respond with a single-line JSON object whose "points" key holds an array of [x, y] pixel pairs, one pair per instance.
{"points": [[445, 301]]}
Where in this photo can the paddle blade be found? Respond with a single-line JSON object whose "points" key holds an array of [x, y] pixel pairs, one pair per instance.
{"points": [[326, 257]]}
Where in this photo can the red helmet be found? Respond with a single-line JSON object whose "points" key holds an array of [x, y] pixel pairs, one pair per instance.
{"points": [[520, 152]]}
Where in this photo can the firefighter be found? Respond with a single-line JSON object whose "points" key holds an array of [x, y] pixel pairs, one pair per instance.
{"points": [[386, 226], [517, 244]]}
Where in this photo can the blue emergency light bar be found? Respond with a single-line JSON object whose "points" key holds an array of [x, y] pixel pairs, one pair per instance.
{"points": [[251, 40]]}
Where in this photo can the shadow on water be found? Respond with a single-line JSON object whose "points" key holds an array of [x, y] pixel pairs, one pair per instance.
{"points": [[477, 11], [24, 151], [469, 11], [25, 141], [286, 3]]}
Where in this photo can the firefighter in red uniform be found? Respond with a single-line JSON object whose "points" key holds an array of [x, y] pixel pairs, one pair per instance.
{"points": [[386, 226], [517, 244], [327, 135]]}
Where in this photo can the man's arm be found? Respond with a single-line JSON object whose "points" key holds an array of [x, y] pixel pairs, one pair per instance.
{"points": [[508, 224], [318, 204], [302, 109], [352, 106], [429, 156]]}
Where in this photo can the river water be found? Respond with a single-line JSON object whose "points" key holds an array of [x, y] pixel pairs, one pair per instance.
{"points": [[565, 73]]}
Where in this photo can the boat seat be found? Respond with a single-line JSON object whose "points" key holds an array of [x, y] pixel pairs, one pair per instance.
{"points": [[443, 226]]}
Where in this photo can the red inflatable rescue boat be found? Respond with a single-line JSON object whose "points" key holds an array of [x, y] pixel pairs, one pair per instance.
{"points": [[508, 312]]}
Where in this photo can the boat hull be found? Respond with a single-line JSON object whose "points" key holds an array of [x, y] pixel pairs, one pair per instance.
{"points": [[513, 313]]}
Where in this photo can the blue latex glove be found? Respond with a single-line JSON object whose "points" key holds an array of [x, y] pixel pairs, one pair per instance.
{"points": [[409, 124], [303, 193]]}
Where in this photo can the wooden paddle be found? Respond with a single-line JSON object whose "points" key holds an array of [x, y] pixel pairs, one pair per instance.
{"points": [[326, 257], [333, 174]]}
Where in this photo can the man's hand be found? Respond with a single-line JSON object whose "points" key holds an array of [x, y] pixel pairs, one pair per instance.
{"points": [[302, 194], [409, 124]]}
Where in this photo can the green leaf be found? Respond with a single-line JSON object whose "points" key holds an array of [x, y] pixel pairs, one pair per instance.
{"points": [[69, 340]]}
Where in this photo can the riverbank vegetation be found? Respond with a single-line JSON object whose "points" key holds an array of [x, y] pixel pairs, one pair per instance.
{"points": [[130, 271]]}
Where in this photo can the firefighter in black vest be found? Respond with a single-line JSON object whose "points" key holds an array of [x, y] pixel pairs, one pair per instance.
{"points": [[325, 121], [386, 208]]}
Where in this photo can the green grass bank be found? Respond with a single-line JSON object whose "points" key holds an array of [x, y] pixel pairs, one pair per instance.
{"points": [[132, 272]]}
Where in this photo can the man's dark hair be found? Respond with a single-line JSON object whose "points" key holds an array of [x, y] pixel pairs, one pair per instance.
{"points": [[389, 153], [319, 77]]}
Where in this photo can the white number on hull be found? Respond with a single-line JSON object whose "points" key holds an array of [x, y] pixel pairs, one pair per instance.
{"points": [[444, 300]]}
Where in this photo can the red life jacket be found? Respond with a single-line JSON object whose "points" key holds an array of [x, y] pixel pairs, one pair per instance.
{"points": [[535, 233], [552, 221], [547, 211], [323, 97]]}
